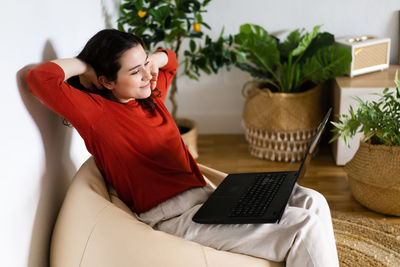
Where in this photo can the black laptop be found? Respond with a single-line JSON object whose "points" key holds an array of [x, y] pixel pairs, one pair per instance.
{"points": [[254, 197]]}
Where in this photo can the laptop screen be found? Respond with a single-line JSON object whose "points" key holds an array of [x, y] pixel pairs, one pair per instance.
{"points": [[314, 142]]}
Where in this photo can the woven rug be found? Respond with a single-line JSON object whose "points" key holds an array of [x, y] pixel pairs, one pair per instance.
{"points": [[366, 242]]}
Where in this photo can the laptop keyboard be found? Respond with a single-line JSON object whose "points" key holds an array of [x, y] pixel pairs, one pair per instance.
{"points": [[256, 200]]}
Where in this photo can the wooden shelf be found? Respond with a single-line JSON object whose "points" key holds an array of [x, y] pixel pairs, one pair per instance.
{"points": [[379, 79]]}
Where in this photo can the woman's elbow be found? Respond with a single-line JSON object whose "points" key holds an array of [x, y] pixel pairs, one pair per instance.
{"points": [[22, 73]]}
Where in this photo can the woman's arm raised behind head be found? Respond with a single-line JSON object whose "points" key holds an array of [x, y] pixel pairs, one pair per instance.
{"points": [[47, 82], [74, 67]]}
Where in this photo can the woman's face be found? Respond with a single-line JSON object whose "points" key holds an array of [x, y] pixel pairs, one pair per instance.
{"points": [[133, 78]]}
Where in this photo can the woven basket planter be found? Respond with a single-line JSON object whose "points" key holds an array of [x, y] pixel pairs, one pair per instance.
{"points": [[374, 177], [279, 126]]}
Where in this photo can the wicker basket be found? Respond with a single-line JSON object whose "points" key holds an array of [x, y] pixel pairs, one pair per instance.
{"points": [[374, 177], [280, 125]]}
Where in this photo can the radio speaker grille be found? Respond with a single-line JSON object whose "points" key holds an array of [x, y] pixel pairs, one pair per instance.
{"points": [[370, 55]]}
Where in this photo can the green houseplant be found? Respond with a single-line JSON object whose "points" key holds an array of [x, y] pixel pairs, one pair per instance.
{"points": [[373, 172], [283, 104], [379, 121], [171, 23]]}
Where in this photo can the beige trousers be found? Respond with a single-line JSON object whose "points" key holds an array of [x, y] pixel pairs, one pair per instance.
{"points": [[303, 237]]}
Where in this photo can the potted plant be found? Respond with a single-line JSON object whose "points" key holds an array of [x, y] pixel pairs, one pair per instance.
{"points": [[373, 172], [283, 104], [170, 23]]}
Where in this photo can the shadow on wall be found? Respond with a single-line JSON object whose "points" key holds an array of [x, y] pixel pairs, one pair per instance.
{"points": [[58, 168]]}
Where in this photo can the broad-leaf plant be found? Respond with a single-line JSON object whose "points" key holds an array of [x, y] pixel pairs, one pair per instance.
{"points": [[297, 64]]}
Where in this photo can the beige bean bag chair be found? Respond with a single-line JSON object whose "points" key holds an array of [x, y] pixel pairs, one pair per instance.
{"points": [[96, 229]]}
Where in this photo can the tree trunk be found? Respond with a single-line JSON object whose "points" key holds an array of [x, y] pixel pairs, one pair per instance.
{"points": [[174, 86], [172, 97]]}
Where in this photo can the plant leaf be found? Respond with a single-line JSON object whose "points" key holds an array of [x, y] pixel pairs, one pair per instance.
{"points": [[396, 79], [305, 41], [160, 14], [321, 40], [260, 48], [254, 71], [139, 4], [291, 42], [326, 63], [192, 45]]}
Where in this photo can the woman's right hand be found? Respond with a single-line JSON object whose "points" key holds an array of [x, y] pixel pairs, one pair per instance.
{"points": [[89, 79]]}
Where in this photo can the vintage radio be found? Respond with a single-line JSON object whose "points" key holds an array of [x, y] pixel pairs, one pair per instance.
{"points": [[369, 53]]}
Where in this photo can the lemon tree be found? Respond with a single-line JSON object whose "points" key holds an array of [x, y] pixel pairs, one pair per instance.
{"points": [[169, 23]]}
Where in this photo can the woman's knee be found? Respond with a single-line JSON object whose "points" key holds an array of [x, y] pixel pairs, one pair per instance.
{"points": [[311, 199], [319, 200]]}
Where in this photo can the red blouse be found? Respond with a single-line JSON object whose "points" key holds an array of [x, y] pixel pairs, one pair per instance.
{"points": [[140, 154]]}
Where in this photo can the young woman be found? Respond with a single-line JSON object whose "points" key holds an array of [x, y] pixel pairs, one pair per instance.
{"points": [[117, 106]]}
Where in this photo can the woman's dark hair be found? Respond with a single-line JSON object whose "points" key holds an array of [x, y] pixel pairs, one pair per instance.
{"points": [[103, 52]]}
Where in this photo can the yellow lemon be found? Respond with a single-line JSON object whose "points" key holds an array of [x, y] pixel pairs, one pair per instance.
{"points": [[142, 13], [196, 27]]}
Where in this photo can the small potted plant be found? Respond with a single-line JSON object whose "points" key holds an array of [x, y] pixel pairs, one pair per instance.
{"points": [[170, 23], [374, 171], [283, 103]]}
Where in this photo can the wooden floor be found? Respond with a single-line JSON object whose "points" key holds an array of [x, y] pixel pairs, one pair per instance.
{"points": [[229, 153]]}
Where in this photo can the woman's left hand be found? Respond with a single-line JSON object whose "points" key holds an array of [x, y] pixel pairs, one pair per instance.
{"points": [[157, 61], [154, 67]]}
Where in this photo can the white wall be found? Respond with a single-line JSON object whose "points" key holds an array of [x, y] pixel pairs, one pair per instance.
{"points": [[37, 161]]}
